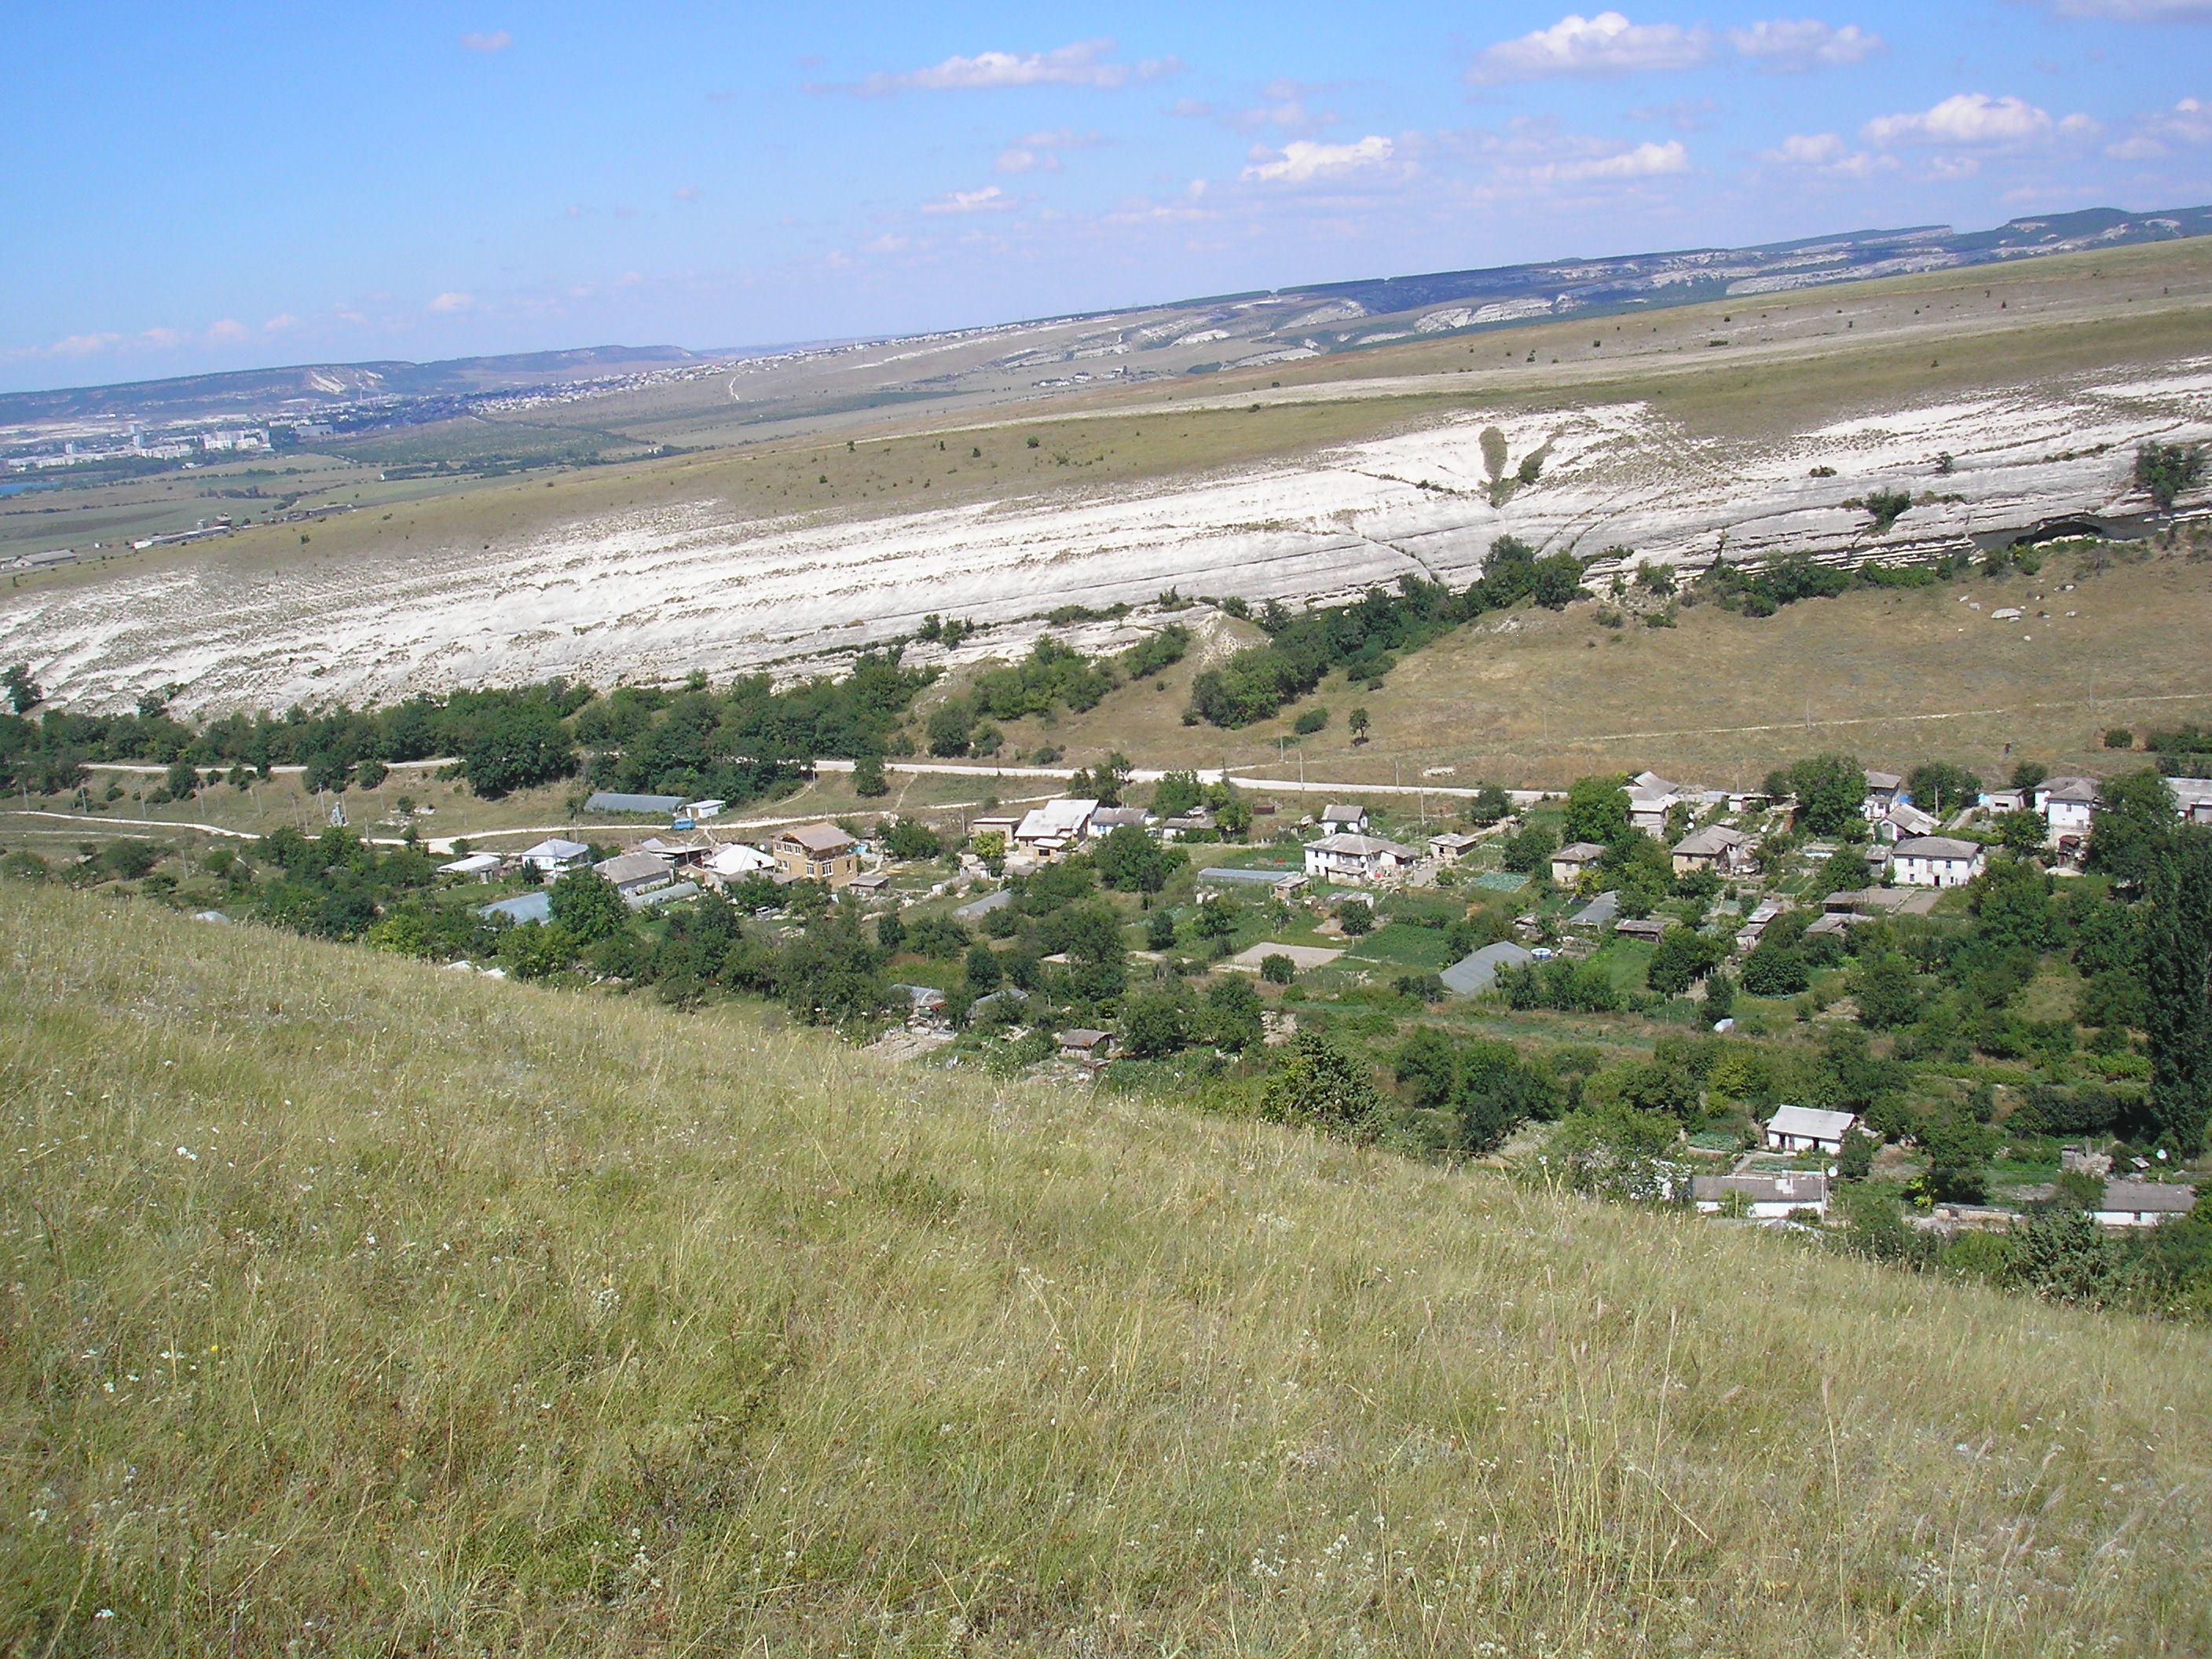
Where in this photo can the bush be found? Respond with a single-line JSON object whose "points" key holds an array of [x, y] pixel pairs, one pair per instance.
{"points": [[1319, 1086], [586, 905], [1277, 968], [1357, 917], [2119, 737], [909, 838], [1313, 720], [2163, 471]]}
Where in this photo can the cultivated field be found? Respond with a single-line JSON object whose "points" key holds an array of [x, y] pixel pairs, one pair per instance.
{"points": [[357, 1307]]}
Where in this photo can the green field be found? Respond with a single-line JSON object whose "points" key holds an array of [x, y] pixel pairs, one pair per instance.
{"points": [[357, 1307]]}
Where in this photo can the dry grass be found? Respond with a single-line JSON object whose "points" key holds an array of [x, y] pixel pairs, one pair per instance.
{"points": [[1537, 699], [355, 1306]]}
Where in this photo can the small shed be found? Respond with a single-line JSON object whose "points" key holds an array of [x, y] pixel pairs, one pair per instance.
{"points": [[1807, 1129], [1766, 1197], [522, 908], [1453, 846], [1473, 974], [1570, 860], [634, 872], [1084, 1044], [482, 866], [555, 853], [1341, 819], [2144, 1203]]}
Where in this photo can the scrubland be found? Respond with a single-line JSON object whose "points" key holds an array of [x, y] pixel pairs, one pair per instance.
{"points": [[354, 1306]]}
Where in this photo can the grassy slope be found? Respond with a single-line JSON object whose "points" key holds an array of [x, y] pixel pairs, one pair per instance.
{"points": [[494, 1319], [1898, 676]]}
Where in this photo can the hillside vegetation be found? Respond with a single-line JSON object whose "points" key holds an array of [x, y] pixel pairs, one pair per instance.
{"points": [[358, 1307]]}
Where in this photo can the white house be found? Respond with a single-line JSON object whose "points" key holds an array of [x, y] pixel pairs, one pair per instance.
{"points": [[1807, 1129], [1356, 857], [555, 854], [700, 810], [1935, 861], [483, 865], [1768, 1197], [1883, 791], [1650, 798], [2068, 805], [1339, 819], [1055, 826], [2144, 1203]]}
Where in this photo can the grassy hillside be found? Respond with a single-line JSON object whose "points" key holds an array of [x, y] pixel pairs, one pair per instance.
{"points": [[355, 1306]]}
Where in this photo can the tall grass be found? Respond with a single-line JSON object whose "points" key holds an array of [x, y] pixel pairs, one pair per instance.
{"points": [[353, 1306]]}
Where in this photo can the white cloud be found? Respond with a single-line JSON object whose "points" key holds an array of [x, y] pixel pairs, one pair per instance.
{"points": [[1646, 160], [84, 345], [229, 330], [1302, 161], [1608, 43], [988, 199], [1827, 153], [685, 193], [1283, 109], [282, 323], [1804, 43], [499, 40], [2187, 126], [1966, 117], [1084, 64], [1042, 150], [451, 304], [2138, 11], [1683, 115], [886, 243]]}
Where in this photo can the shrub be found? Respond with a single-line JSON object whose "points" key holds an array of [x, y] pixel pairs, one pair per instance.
{"points": [[1356, 916], [1313, 720], [2163, 471], [1886, 507], [2119, 737], [1320, 1085], [1277, 968]]}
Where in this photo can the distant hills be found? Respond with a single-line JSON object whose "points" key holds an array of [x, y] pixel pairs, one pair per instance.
{"points": [[1243, 330]]}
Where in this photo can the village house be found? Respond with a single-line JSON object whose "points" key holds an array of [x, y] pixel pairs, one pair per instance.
{"points": [[1339, 819], [1569, 861], [1054, 827], [1107, 820], [1197, 820], [1716, 848], [1650, 798], [481, 866], [1345, 856], [1764, 1197], [634, 872], [1747, 936], [2192, 798], [2144, 1203], [2068, 805], [1089, 1047], [1807, 1129], [1935, 861], [1649, 929], [1453, 846], [687, 854], [816, 852], [610, 801], [1903, 821], [1883, 791], [1597, 915], [551, 856]]}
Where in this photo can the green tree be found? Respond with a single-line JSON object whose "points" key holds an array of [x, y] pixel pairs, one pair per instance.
{"points": [[1558, 578], [1829, 789], [2130, 836], [1487, 805], [1683, 958], [536, 949], [1597, 810], [1160, 930], [984, 968], [1319, 1086], [868, 779], [1232, 1014], [1217, 918], [1618, 1153], [1941, 788], [1277, 968], [1158, 1023], [519, 744], [1356, 916], [587, 905], [1856, 1161], [2021, 833], [1888, 994], [2178, 949], [2165, 472], [1131, 862], [23, 692], [1529, 849], [1359, 723], [1958, 1150], [910, 838], [952, 724]]}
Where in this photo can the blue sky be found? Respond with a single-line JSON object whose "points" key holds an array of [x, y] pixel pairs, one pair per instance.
{"points": [[223, 185]]}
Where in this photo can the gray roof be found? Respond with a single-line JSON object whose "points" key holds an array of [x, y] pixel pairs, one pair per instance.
{"points": [[556, 847], [682, 890], [1598, 912], [2148, 1197], [1224, 876], [1810, 1123], [1580, 852], [976, 910], [1338, 812], [606, 800], [1116, 818], [626, 867], [1935, 847], [524, 907], [1709, 842], [1471, 974]]}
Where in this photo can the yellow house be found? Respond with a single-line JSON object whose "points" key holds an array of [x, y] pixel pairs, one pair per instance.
{"points": [[817, 852]]}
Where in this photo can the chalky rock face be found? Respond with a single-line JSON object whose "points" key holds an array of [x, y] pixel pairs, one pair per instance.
{"points": [[655, 594]]}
